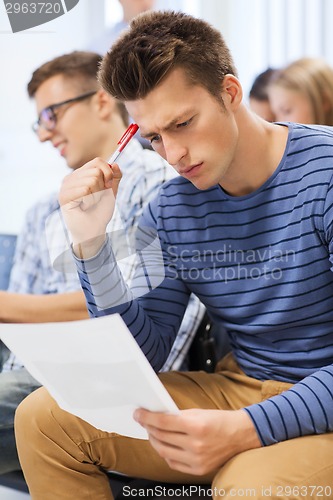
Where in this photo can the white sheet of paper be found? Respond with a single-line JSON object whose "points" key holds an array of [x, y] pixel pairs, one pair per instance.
{"points": [[93, 368]]}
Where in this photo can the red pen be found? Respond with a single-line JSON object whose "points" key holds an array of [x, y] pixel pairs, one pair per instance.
{"points": [[123, 141]]}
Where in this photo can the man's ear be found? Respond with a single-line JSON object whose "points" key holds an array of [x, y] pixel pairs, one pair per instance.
{"points": [[106, 104], [232, 92]]}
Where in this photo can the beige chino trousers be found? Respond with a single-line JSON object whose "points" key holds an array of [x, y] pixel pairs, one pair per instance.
{"points": [[64, 457]]}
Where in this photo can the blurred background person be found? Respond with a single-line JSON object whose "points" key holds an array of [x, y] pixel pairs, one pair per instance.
{"points": [[303, 92], [258, 95], [131, 8]]}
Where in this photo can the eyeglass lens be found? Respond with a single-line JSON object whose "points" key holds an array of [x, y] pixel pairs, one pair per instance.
{"points": [[47, 119]]}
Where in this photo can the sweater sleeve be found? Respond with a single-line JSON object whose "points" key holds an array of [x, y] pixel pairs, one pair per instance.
{"points": [[306, 408], [154, 305]]}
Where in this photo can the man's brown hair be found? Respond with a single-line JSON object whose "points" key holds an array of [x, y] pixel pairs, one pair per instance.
{"points": [[157, 43], [79, 67]]}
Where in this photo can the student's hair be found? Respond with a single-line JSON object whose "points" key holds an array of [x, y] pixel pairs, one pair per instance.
{"points": [[259, 89], [313, 78], [158, 42], [79, 67]]}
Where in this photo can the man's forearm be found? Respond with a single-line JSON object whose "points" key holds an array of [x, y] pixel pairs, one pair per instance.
{"points": [[29, 308]]}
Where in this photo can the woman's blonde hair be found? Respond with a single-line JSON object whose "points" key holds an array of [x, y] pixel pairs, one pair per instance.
{"points": [[313, 78]]}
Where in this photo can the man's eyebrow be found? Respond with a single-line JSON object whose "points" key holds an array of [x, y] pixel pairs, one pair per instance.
{"points": [[169, 125]]}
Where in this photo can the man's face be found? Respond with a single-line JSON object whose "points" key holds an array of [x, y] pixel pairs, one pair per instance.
{"points": [[75, 134], [189, 128]]}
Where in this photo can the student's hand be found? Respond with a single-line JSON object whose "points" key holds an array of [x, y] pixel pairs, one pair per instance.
{"points": [[87, 199], [199, 441]]}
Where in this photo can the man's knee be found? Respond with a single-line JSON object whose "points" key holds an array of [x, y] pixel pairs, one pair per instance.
{"points": [[233, 482], [281, 471], [33, 413]]}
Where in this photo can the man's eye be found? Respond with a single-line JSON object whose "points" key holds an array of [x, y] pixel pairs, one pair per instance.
{"points": [[155, 138], [184, 124]]}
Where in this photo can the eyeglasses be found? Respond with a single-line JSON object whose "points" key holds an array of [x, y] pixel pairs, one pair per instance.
{"points": [[47, 117]]}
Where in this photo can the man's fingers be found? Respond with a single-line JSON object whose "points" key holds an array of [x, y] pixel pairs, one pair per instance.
{"points": [[163, 421], [113, 182], [90, 200], [85, 186], [176, 457]]}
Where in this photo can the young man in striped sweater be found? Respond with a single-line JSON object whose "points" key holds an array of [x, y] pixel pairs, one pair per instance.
{"points": [[248, 228]]}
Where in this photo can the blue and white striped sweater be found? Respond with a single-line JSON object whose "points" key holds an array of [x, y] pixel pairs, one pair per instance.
{"points": [[261, 263]]}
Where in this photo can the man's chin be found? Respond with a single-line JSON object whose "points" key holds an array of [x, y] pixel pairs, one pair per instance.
{"points": [[201, 184], [74, 167]]}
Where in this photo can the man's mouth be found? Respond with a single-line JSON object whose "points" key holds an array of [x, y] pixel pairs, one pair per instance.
{"points": [[60, 146], [191, 170]]}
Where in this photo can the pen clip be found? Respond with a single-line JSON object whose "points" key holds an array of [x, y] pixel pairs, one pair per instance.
{"points": [[129, 132]]}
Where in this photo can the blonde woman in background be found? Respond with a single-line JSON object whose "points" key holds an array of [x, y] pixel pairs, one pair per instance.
{"points": [[303, 92]]}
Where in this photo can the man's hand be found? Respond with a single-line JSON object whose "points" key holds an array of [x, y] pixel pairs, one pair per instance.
{"points": [[87, 199], [199, 441]]}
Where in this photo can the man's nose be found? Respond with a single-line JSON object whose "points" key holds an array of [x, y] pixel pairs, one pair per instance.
{"points": [[44, 135], [174, 151]]}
